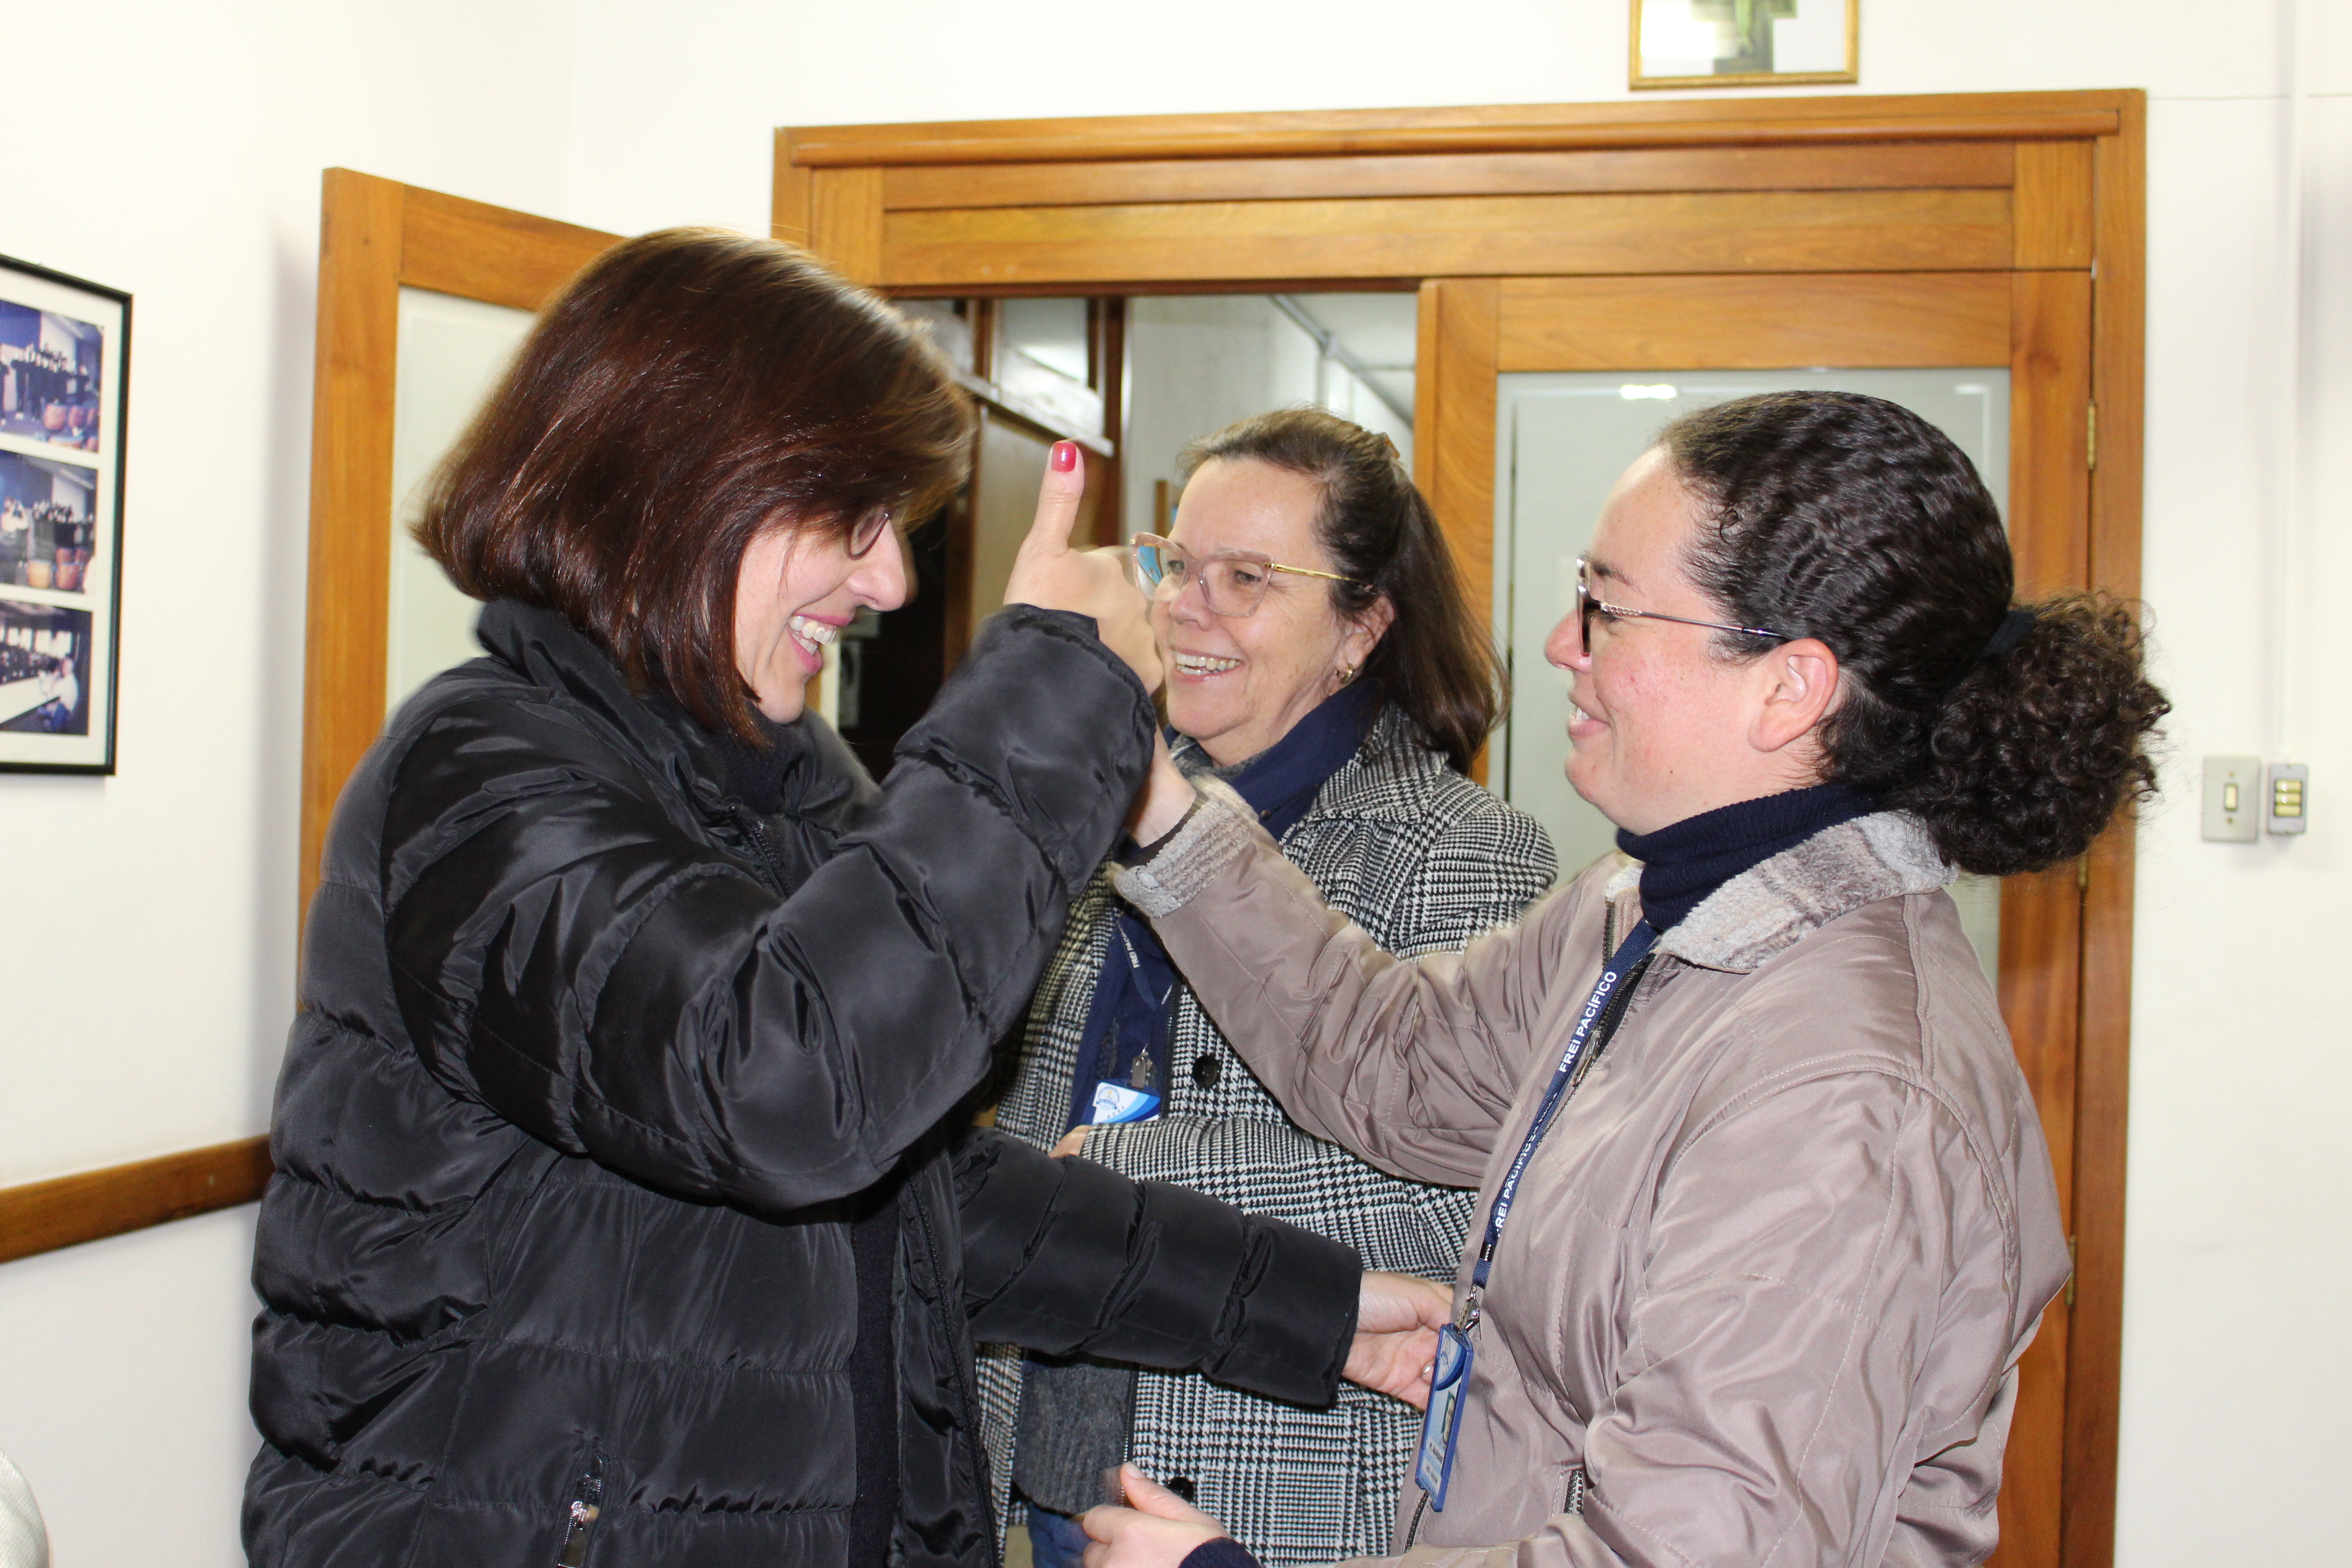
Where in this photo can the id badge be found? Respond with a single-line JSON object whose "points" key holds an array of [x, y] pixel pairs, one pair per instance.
{"points": [[1449, 1376], [1116, 1103]]}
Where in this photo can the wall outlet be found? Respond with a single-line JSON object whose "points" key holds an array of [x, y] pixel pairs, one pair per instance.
{"points": [[2233, 799], [2286, 802]]}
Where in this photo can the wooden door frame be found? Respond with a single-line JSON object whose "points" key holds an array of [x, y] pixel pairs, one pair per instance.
{"points": [[2046, 188], [377, 236]]}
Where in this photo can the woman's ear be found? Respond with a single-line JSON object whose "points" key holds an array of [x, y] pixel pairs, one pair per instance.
{"points": [[1799, 681], [1365, 630]]}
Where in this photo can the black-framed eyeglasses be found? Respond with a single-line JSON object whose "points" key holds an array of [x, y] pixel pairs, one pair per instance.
{"points": [[1233, 581], [1588, 606], [869, 530]]}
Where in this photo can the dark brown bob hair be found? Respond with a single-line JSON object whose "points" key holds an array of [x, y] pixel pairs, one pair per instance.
{"points": [[688, 390], [1435, 663]]}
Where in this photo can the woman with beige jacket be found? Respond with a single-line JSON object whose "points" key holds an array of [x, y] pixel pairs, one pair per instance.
{"points": [[1766, 1218]]}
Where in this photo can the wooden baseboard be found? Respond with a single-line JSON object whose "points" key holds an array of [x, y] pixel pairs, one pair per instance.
{"points": [[42, 1216]]}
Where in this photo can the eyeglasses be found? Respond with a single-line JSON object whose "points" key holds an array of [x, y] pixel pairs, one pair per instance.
{"points": [[869, 530], [1233, 581], [1588, 606]]}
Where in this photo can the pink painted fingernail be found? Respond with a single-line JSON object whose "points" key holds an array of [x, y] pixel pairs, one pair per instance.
{"points": [[1065, 456]]}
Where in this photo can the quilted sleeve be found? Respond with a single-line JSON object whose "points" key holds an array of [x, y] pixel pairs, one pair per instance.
{"points": [[570, 957]]}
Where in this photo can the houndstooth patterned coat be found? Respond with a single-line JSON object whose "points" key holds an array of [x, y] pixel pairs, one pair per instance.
{"points": [[1424, 860]]}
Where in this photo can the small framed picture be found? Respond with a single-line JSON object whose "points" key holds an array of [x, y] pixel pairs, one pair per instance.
{"points": [[65, 345], [1745, 43]]}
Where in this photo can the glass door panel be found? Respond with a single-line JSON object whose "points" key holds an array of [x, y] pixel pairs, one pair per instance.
{"points": [[452, 352]]}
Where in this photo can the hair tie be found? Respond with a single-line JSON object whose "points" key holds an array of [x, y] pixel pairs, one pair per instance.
{"points": [[2013, 629]]}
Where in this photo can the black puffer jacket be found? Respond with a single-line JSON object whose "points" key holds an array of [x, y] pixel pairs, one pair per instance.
{"points": [[592, 1069]]}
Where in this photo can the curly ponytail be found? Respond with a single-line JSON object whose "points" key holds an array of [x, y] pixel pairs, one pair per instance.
{"points": [[2034, 750], [1852, 521]]}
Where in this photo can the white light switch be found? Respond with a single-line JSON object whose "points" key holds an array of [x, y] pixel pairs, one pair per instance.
{"points": [[2287, 801], [2233, 799]]}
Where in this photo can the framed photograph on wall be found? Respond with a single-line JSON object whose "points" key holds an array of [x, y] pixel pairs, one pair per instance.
{"points": [[65, 346], [1746, 43]]}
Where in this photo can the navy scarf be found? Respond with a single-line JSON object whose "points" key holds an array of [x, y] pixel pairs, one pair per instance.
{"points": [[1126, 1039], [1685, 861]]}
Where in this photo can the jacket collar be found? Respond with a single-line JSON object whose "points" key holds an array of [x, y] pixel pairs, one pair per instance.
{"points": [[1367, 785], [1769, 908], [1376, 785], [822, 777], [1385, 781]]}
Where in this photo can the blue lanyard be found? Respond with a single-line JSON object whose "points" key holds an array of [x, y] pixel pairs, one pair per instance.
{"points": [[1630, 956], [1449, 1371]]}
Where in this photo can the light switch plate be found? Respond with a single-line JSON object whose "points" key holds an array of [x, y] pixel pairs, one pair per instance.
{"points": [[2233, 799], [2286, 802]]}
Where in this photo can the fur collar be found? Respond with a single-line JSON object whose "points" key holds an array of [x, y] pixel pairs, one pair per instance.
{"points": [[1767, 909]]}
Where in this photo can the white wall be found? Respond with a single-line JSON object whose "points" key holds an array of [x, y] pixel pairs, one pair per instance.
{"points": [[123, 1396], [184, 165], [195, 184]]}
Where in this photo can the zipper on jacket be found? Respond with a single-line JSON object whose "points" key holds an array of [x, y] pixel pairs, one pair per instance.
{"points": [[1606, 1030], [587, 1506], [748, 821], [1614, 1013], [1413, 1530], [960, 1366]]}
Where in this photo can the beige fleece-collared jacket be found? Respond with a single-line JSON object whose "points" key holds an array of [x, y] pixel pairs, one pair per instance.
{"points": [[1762, 1294]]}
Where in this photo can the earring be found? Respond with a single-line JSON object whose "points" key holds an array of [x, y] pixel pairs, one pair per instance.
{"points": [[1347, 673]]}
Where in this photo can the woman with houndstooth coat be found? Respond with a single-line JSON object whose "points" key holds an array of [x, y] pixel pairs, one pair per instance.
{"points": [[1321, 659]]}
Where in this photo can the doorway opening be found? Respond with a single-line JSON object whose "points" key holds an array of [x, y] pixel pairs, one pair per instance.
{"points": [[1133, 379]]}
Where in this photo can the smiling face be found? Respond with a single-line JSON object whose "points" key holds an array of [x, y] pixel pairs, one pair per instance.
{"points": [[1663, 728], [1237, 685], [794, 592]]}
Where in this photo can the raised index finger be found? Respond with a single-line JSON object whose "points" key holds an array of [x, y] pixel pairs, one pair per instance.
{"points": [[1057, 500]]}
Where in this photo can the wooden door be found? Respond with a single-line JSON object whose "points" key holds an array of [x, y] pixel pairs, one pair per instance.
{"points": [[377, 238], [1844, 231]]}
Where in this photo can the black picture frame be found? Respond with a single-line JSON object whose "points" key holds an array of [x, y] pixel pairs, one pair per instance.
{"points": [[65, 363]]}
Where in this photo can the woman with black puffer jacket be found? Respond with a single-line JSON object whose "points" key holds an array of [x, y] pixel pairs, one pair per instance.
{"points": [[624, 1211]]}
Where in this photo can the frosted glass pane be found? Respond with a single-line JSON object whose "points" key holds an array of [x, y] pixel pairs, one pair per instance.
{"points": [[1562, 440], [1197, 362], [1053, 332], [452, 352]]}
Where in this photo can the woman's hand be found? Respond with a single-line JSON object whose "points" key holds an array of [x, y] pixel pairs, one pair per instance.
{"points": [[1048, 573], [1397, 1320], [1074, 1142], [1157, 1529], [1167, 794]]}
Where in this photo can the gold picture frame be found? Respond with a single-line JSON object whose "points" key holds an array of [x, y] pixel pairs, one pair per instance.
{"points": [[1667, 38]]}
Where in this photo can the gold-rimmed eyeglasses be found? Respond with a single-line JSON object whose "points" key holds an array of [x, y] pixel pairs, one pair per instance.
{"points": [[1588, 606], [1233, 581]]}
